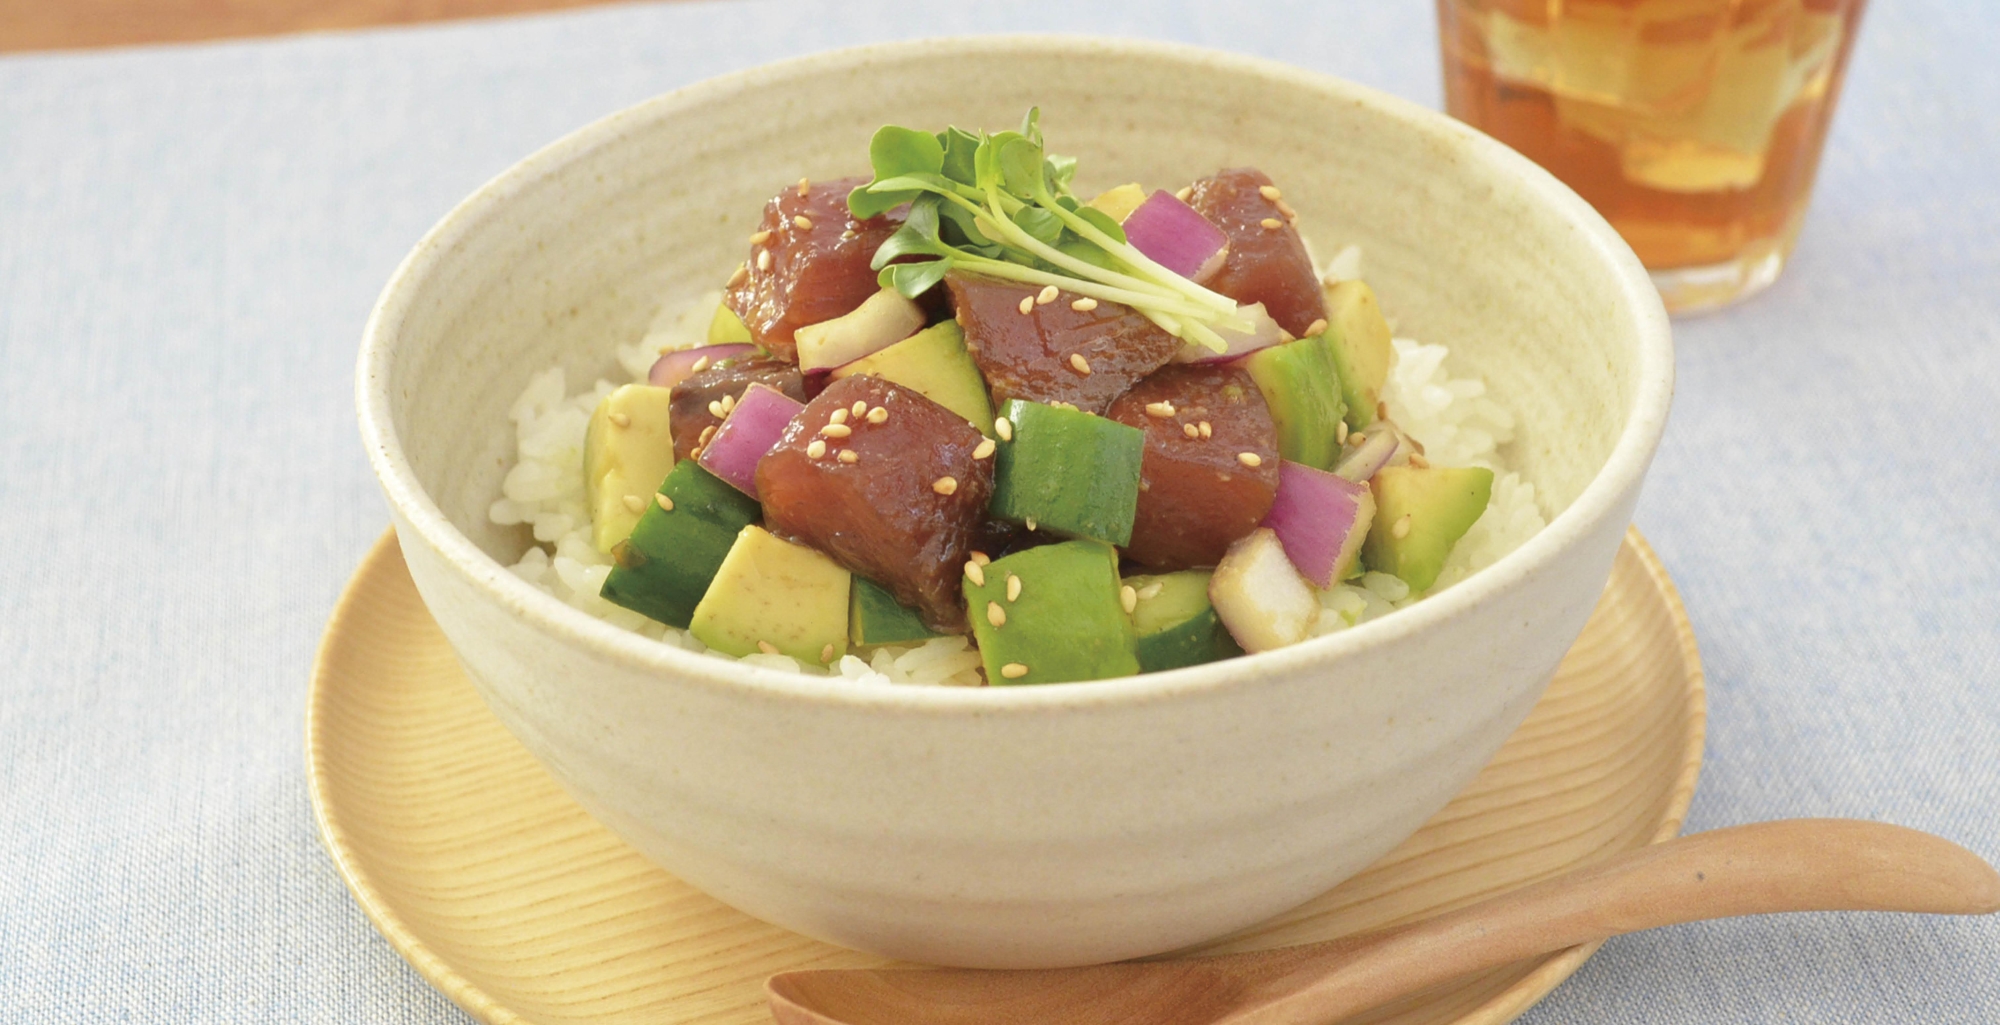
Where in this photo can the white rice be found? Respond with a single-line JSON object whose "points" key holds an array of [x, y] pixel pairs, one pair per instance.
{"points": [[1450, 416]]}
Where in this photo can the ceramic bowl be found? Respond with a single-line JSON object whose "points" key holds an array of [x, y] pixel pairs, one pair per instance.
{"points": [[1016, 826]]}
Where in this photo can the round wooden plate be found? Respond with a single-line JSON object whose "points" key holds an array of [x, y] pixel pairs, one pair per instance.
{"points": [[521, 908]]}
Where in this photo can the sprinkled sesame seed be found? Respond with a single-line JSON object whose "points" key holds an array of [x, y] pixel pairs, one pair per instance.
{"points": [[826, 653], [1340, 432], [815, 449], [741, 275], [715, 408], [1191, 430], [1151, 591], [1250, 459], [975, 572], [1004, 428], [695, 453], [1315, 327], [1013, 587], [1162, 410], [802, 222], [1207, 431], [1402, 528], [728, 403], [1031, 523], [1083, 305], [700, 365], [1079, 364], [804, 184], [1417, 460], [945, 485], [849, 456], [1271, 223], [878, 415], [619, 420], [1286, 209], [763, 259], [1128, 597], [758, 238], [1027, 303], [666, 504], [1047, 295], [1381, 410], [635, 503], [839, 416], [836, 430], [985, 448], [707, 434], [995, 614], [980, 557], [1270, 192], [767, 647], [1184, 193], [1013, 670], [858, 408]]}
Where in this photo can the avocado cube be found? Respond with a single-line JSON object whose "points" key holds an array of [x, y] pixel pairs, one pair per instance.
{"points": [[1302, 388], [1067, 472], [1358, 337], [627, 451], [874, 616], [726, 328], [933, 363], [1175, 623], [1420, 512], [775, 597], [1062, 621], [664, 568]]}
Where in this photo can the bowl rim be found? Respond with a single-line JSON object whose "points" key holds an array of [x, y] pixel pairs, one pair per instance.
{"points": [[1622, 472]]}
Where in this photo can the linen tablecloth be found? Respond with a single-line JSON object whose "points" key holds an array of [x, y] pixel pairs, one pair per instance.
{"points": [[191, 238]]}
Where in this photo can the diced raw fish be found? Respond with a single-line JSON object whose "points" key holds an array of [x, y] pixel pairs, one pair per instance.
{"points": [[1055, 352], [689, 413], [1198, 491], [1267, 261], [811, 265]]}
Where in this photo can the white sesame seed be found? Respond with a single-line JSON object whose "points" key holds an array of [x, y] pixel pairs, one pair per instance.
{"points": [[1207, 431], [1152, 590], [763, 259], [707, 434], [995, 614], [1031, 523], [1191, 430], [619, 420], [1315, 327], [729, 403], [741, 275], [1250, 459], [1271, 223], [1004, 428], [1184, 193], [1013, 587], [715, 408], [635, 503], [1340, 433], [695, 453], [1128, 597], [700, 365], [758, 238], [836, 430], [1027, 303], [1402, 528], [859, 408], [1079, 364], [826, 653], [849, 235], [802, 222], [878, 415], [849, 456], [1286, 209], [1417, 460], [666, 504], [975, 573], [1047, 295], [839, 417], [1084, 305], [767, 647], [804, 184], [980, 557], [815, 449], [1013, 670], [945, 485], [985, 448], [1163, 410], [1270, 192]]}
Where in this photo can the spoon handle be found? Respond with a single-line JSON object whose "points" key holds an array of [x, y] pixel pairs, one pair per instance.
{"points": [[1792, 865]]}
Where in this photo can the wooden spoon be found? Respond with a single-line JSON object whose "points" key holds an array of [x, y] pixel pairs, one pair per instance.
{"points": [[1795, 865]]}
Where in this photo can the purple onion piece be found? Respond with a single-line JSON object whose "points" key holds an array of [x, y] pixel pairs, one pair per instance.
{"points": [[1378, 447], [675, 367], [1321, 519], [747, 435], [1175, 236]]}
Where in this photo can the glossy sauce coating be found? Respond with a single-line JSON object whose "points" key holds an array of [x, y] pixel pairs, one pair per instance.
{"points": [[1034, 355], [1266, 264], [817, 266], [884, 514], [1196, 495], [688, 415]]}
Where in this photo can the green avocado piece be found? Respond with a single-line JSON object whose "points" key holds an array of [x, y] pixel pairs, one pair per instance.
{"points": [[1302, 388], [627, 451], [1064, 621], [933, 363], [1067, 472], [1419, 514], [771, 595], [874, 616], [1358, 338], [664, 568], [1175, 623], [726, 328]]}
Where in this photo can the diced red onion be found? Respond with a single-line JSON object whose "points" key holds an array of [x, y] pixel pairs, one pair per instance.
{"points": [[747, 435], [1176, 236], [675, 367], [1321, 519], [1378, 446], [1263, 333]]}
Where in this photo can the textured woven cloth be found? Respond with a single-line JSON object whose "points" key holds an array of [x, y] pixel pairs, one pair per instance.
{"points": [[191, 238]]}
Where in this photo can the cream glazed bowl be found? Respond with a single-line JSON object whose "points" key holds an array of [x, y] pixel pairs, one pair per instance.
{"points": [[1016, 826]]}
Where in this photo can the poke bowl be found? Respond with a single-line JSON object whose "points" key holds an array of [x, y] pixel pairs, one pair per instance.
{"points": [[819, 780]]}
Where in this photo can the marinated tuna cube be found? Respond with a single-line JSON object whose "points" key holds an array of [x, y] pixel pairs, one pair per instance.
{"points": [[890, 484], [808, 263], [1211, 463], [704, 398], [1069, 349], [1267, 260]]}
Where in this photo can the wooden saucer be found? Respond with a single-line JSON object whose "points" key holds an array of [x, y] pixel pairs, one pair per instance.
{"points": [[521, 908]]}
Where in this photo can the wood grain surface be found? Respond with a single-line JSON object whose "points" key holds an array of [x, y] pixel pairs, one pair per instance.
{"points": [[521, 908], [79, 24]]}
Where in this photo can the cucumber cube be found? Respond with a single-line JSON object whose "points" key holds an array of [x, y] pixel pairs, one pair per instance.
{"points": [[1067, 472], [1175, 623], [1062, 621], [876, 617], [665, 567]]}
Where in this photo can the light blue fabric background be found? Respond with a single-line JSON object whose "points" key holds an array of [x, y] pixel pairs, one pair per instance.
{"points": [[191, 238]]}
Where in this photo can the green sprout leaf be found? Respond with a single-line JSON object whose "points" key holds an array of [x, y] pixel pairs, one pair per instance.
{"points": [[899, 151], [1039, 224], [1101, 221], [959, 146], [913, 279]]}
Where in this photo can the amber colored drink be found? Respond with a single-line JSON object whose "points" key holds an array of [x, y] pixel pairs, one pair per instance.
{"points": [[1693, 126]]}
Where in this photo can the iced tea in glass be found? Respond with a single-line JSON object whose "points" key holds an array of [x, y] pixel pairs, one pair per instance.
{"points": [[1693, 126]]}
